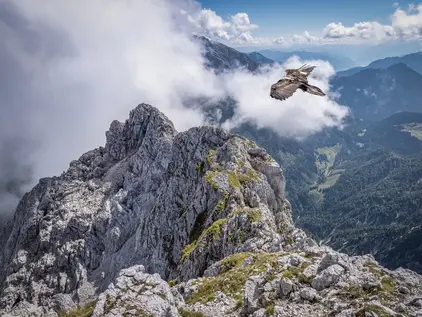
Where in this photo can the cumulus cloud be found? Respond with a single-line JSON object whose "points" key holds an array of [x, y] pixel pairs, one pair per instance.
{"points": [[405, 24], [305, 38], [279, 40], [359, 31], [237, 29], [298, 116], [66, 75], [408, 24]]}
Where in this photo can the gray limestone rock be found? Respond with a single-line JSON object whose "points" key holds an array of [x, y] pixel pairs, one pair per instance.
{"points": [[253, 291], [286, 286], [151, 196], [135, 292], [308, 293], [330, 275]]}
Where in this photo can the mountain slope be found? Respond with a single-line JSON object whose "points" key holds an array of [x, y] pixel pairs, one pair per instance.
{"points": [[221, 57], [388, 188], [413, 61], [153, 196], [332, 170], [374, 94], [203, 207], [259, 58]]}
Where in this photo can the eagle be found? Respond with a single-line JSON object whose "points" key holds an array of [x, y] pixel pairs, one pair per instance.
{"points": [[294, 79]]}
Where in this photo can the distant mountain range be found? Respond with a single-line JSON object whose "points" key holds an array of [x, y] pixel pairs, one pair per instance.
{"points": [[374, 94], [259, 58], [361, 54], [221, 57], [413, 61]]}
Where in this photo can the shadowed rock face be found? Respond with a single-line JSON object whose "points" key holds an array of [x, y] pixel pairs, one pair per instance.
{"points": [[204, 210], [172, 202]]}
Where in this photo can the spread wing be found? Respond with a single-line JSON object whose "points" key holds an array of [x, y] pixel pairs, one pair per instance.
{"points": [[284, 89], [306, 69]]}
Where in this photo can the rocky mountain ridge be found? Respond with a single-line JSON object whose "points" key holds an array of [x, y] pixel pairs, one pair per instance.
{"points": [[161, 223], [413, 60], [220, 57], [375, 94]]}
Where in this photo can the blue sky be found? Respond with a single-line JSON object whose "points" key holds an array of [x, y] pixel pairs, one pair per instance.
{"points": [[287, 17]]}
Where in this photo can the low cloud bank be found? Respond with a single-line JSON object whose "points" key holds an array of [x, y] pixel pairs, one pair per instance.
{"points": [[69, 72]]}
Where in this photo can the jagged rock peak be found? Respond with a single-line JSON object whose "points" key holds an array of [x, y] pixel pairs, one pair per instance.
{"points": [[144, 121], [175, 203], [167, 224]]}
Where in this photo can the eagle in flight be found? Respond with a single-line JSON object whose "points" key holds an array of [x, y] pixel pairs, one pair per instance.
{"points": [[294, 79]]}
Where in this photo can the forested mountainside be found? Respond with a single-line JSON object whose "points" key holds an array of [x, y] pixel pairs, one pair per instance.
{"points": [[360, 189], [374, 94]]}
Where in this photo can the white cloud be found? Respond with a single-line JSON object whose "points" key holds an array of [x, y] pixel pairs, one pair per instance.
{"points": [[279, 40], [299, 115], [122, 53], [125, 53], [210, 23], [240, 23], [408, 24], [404, 25], [236, 29], [359, 31], [305, 38]]}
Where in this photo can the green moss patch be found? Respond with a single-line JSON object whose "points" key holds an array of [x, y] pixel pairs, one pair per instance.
{"points": [[213, 231], [211, 156], [270, 310], [385, 293], [354, 292], [172, 283], [237, 179], [233, 276], [372, 308], [209, 178], [297, 272], [253, 214], [187, 250], [222, 203], [83, 311], [233, 181], [387, 284], [188, 313], [252, 144]]}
